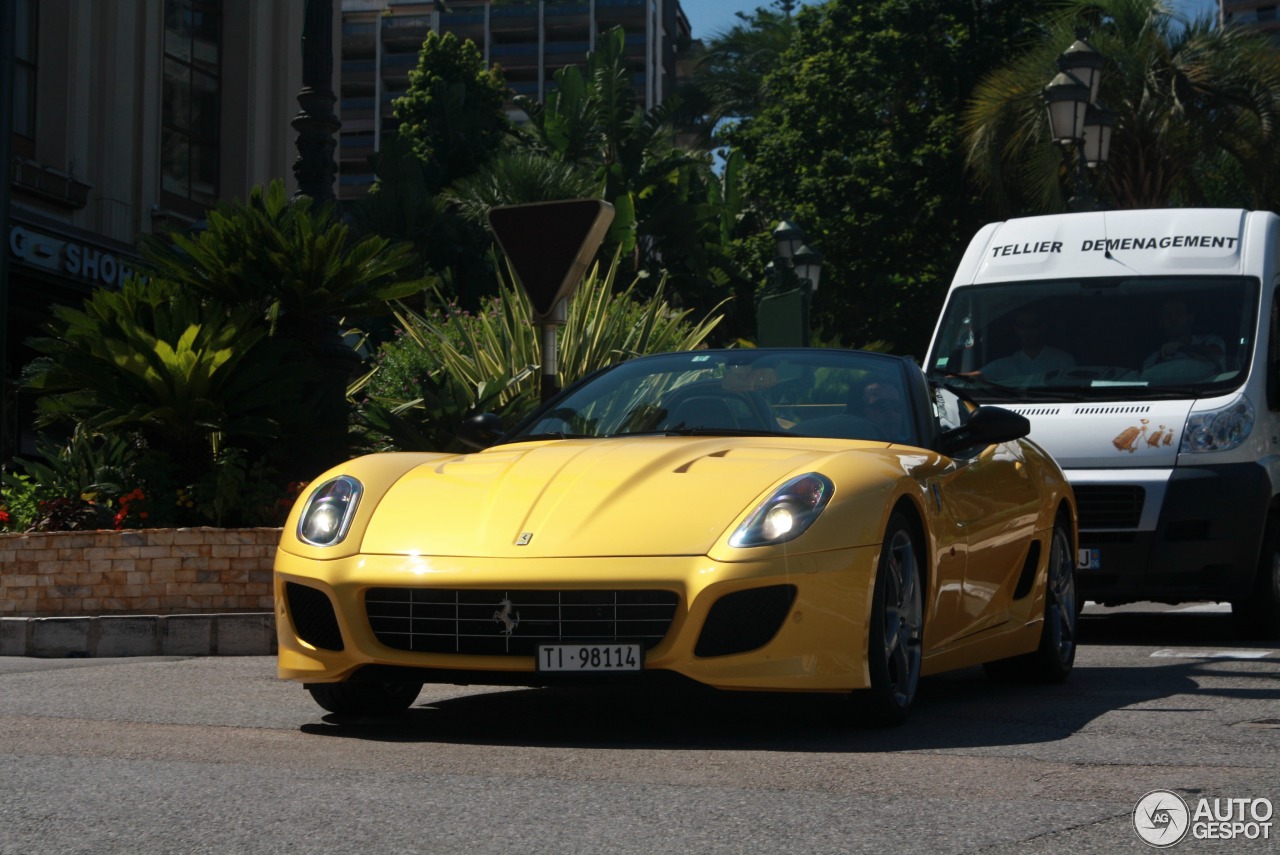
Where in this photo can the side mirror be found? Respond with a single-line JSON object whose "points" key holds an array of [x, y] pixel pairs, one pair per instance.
{"points": [[988, 425], [480, 431]]}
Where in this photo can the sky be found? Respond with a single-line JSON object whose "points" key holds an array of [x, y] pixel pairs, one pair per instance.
{"points": [[708, 17]]}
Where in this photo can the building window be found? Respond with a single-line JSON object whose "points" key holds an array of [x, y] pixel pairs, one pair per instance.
{"points": [[1266, 13], [189, 119], [24, 72]]}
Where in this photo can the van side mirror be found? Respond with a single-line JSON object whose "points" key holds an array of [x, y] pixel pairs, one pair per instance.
{"points": [[480, 431], [987, 426]]}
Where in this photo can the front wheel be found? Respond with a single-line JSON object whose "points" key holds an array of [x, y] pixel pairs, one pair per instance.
{"points": [[364, 697], [1053, 660], [1257, 617], [897, 623]]}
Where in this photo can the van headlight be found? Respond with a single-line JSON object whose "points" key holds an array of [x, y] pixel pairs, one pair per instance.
{"points": [[1219, 430], [329, 510]]}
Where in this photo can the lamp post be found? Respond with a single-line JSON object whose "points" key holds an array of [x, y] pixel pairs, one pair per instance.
{"points": [[782, 314], [1081, 127], [315, 122]]}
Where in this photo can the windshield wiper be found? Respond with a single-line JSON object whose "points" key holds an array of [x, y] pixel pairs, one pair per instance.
{"points": [[967, 383]]}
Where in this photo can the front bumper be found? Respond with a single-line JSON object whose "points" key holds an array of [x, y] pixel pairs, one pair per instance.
{"points": [[1198, 537], [820, 642]]}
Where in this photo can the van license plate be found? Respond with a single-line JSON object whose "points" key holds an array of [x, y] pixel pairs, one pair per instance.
{"points": [[582, 658], [1089, 559]]}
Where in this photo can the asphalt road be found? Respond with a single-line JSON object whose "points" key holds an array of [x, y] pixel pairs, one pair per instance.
{"points": [[216, 755]]}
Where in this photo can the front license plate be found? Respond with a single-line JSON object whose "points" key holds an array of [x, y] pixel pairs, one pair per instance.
{"points": [[580, 658], [1089, 559]]}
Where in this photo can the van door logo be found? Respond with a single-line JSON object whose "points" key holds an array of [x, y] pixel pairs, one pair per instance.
{"points": [[1132, 438]]}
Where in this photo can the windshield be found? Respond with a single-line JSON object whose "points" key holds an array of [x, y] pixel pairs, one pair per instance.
{"points": [[1115, 338], [817, 393]]}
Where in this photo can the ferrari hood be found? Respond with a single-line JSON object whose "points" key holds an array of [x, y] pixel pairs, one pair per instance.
{"points": [[579, 498]]}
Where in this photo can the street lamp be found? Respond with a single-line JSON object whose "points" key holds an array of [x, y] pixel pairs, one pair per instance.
{"points": [[782, 315], [807, 263], [1079, 125]]}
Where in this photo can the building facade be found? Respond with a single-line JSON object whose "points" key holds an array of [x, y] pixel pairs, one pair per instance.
{"points": [[1253, 13], [131, 117], [530, 40]]}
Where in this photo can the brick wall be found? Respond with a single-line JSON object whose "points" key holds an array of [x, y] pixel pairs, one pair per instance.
{"points": [[149, 571]]}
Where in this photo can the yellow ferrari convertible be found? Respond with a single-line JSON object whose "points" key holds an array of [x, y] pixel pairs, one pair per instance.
{"points": [[805, 520]]}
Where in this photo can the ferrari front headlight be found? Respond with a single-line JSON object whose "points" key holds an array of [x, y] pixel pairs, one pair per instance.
{"points": [[327, 516], [787, 513]]}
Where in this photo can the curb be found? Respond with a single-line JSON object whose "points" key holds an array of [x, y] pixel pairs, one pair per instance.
{"points": [[242, 634]]}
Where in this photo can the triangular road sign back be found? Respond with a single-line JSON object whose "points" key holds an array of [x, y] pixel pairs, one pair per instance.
{"points": [[550, 244]]}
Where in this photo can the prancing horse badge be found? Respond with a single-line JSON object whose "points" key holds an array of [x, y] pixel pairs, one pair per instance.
{"points": [[524, 538]]}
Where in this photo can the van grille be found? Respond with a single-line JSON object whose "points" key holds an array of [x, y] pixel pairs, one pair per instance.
{"points": [[499, 623], [1109, 506]]}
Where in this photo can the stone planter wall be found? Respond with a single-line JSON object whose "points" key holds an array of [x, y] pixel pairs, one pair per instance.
{"points": [[148, 571]]}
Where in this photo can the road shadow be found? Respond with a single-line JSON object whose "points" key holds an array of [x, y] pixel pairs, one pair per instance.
{"points": [[1145, 625], [956, 710]]}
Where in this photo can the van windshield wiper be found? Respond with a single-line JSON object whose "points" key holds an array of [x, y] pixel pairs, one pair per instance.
{"points": [[970, 383]]}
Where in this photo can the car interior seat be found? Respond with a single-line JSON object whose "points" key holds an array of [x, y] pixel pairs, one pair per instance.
{"points": [[701, 411]]}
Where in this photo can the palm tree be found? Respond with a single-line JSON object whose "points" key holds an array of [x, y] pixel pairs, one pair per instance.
{"points": [[730, 80], [672, 213], [301, 271], [1198, 112], [156, 360]]}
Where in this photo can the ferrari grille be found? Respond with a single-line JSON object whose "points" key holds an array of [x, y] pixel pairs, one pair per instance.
{"points": [[1109, 506], [495, 622]]}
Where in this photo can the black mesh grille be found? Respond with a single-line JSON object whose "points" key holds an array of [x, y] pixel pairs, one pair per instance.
{"points": [[433, 620], [312, 616], [1106, 506], [745, 620]]}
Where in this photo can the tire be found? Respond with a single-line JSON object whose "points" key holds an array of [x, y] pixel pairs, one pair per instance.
{"points": [[1257, 617], [897, 626], [357, 697], [1053, 660]]}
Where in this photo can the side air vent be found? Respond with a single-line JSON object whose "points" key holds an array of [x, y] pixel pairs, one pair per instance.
{"points": [[745, 620], [1028, 575], [313, 617]]}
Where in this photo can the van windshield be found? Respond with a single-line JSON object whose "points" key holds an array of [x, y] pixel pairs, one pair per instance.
{"points": [[1114, 338]]}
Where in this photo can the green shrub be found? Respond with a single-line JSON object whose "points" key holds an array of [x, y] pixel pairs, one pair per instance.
{"points": [[446, 365]]}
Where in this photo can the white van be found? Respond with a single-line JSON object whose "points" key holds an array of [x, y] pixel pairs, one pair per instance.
{"points": [[1142, 346]]}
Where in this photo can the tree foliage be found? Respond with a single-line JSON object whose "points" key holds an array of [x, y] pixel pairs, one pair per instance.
{"points": [[1198, 112], [730, 80], [673, 214], [452, 115], [858, 144]]}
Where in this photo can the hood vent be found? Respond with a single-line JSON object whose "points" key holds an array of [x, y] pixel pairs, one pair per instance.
{"points": [[1128, 410], [1036, 411]]}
